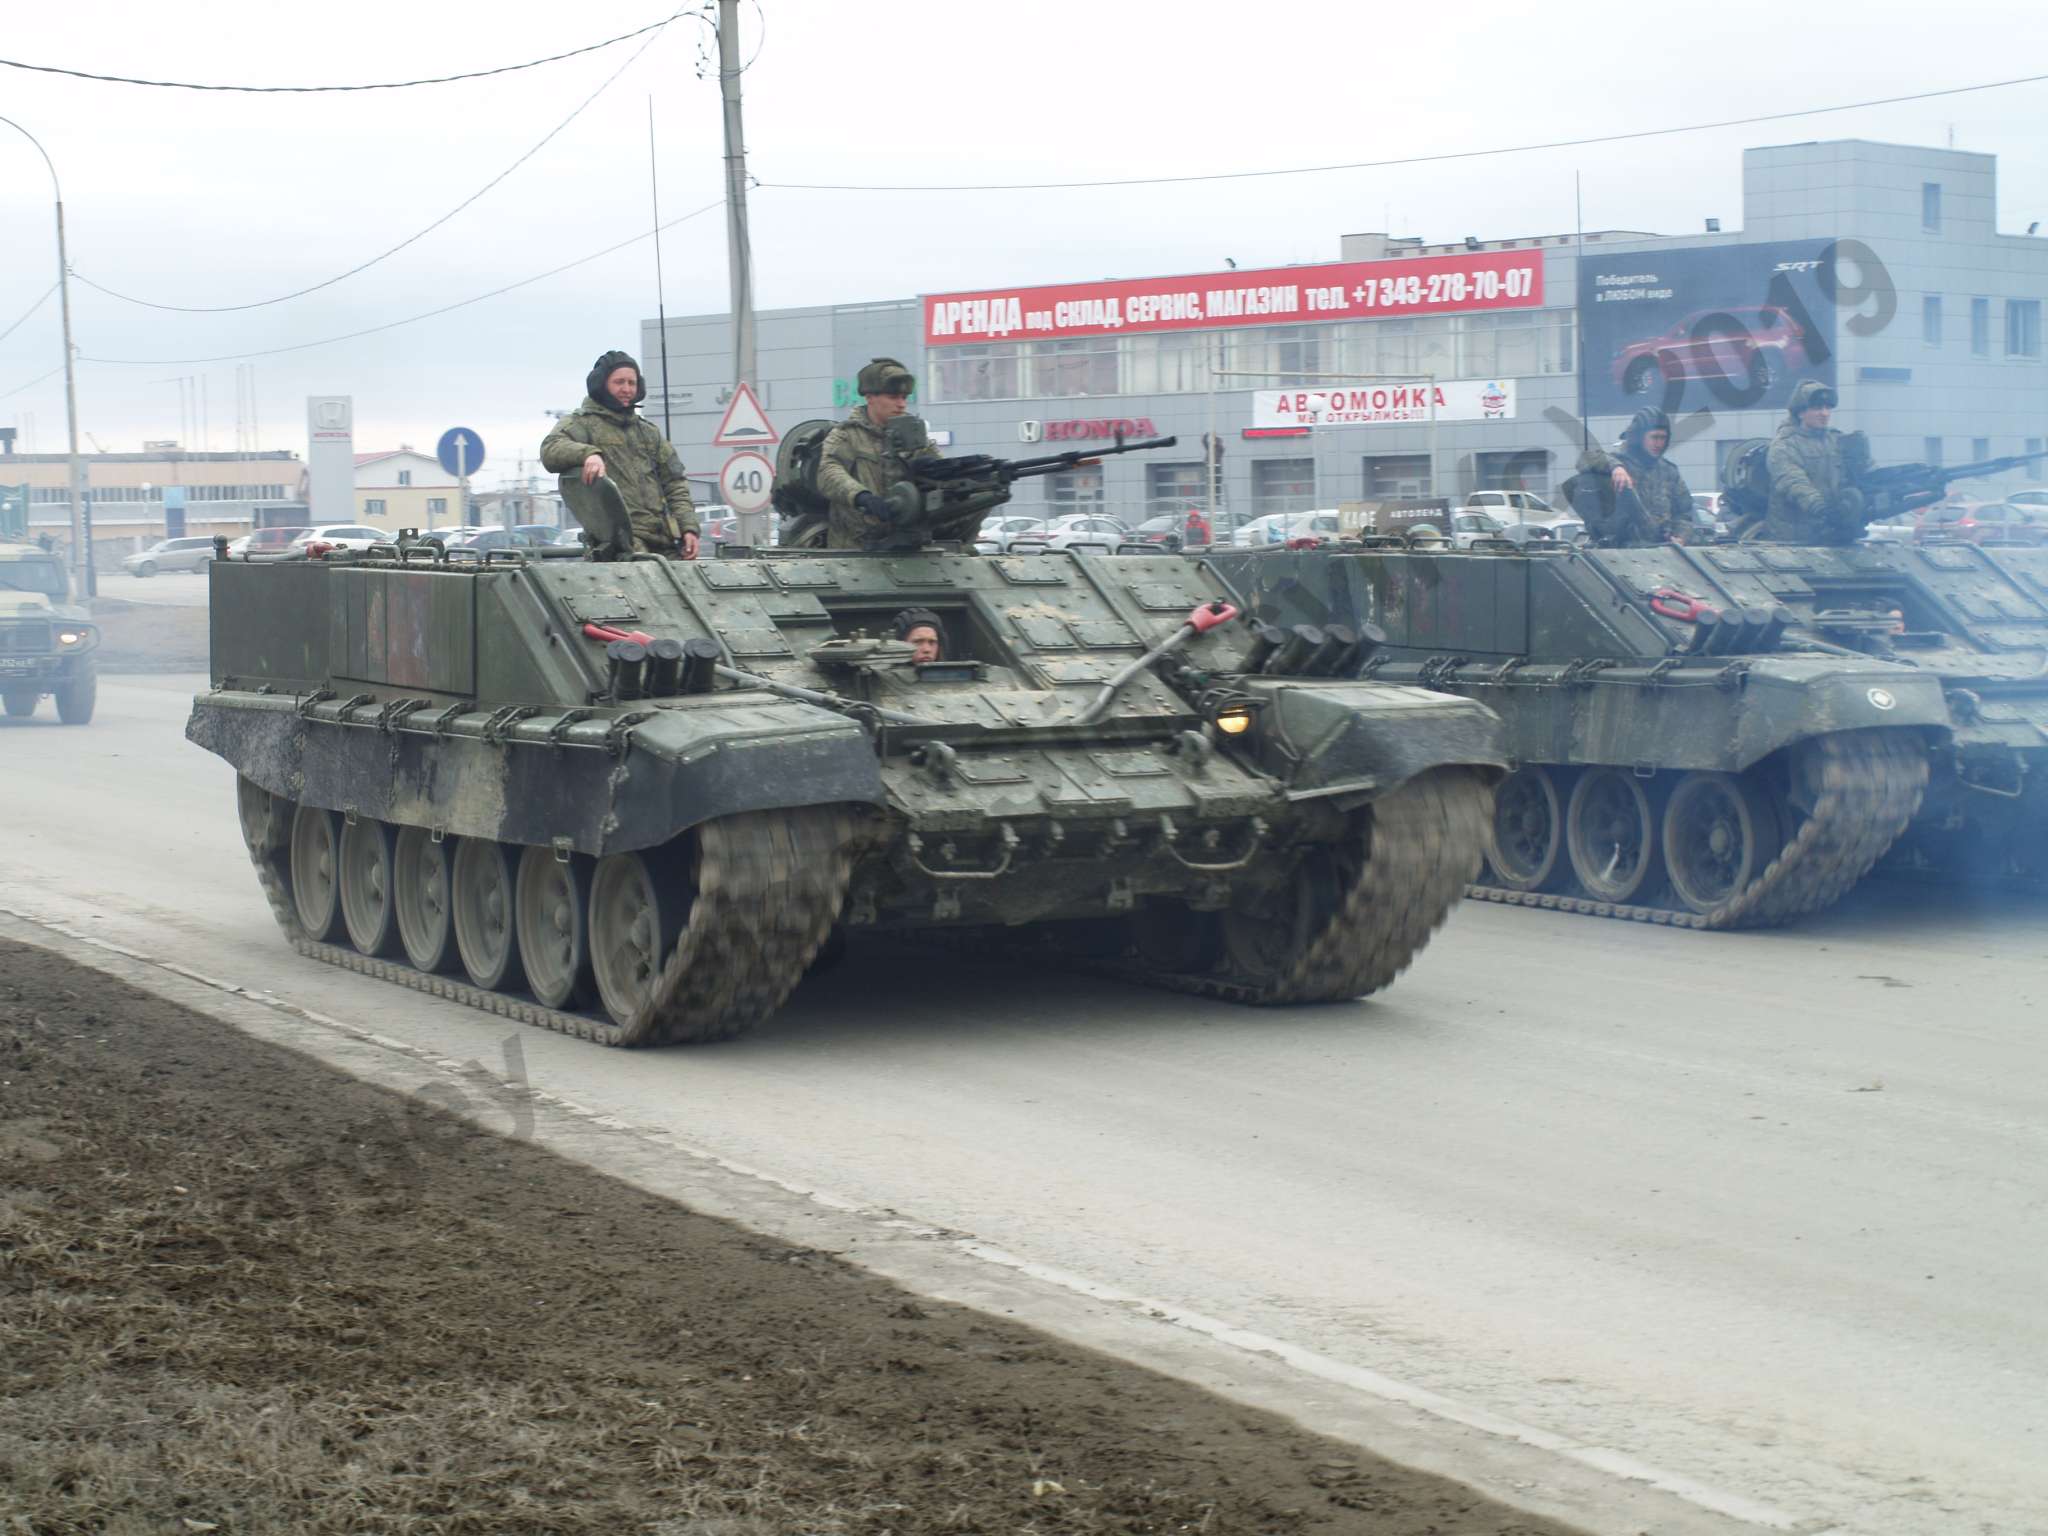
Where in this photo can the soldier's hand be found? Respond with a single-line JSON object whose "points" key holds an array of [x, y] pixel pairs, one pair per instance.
{"points": [[1623, 480], [689, 544], [873, 506], [1852, 501], [593, 467]]}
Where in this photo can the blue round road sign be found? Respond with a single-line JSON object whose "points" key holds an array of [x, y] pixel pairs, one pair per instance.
{"points": [[460, 451]]}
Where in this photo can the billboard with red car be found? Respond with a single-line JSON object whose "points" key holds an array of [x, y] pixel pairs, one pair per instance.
{"points": [[1713, 327]]}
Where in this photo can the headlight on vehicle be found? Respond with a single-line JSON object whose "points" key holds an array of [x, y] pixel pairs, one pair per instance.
{"points": [[70, 636], [1234, 719]]}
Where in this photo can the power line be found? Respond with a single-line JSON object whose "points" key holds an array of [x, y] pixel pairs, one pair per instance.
{"points": [[299, 293], [381, 85], [1374, 165], [34, 381], [392, 325], [43, 299]]}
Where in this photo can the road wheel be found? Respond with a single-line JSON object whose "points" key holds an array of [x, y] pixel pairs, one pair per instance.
{"points": [[147, 568], [1528, 830], [367, 908], [75, 699], [1720, 833], [554, 926], [20, 702], [638, 904], [486, 935], [1639, 376], [423, 884], [1266, 929], [1611, 834], [316, 872]]}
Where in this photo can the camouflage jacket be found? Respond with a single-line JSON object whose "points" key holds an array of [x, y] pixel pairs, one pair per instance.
{"points": [[1666, 499], [856, 458], [638, 460], [1808, 475]]}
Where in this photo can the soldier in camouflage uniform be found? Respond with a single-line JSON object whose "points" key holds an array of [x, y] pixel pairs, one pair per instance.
{"points": [[856, 467], [603, 436], [1637, 463], [1814, 499]]}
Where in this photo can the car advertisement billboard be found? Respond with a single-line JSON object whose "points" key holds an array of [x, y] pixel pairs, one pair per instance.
{"points": [[1347, 290], [1714, 327]]}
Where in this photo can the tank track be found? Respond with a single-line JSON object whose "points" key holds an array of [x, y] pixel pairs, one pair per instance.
{"points": [[1428, 837], [1867, 786], [769, 886]]}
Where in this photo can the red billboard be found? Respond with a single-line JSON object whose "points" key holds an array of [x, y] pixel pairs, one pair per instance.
{"points": [[1339, 290]]}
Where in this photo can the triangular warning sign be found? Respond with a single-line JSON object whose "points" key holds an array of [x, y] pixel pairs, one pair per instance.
{"points": [[745, 424]]}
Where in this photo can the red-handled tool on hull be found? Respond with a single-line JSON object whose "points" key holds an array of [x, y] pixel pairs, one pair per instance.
{"points": [[1206, 616], [607, 634]]}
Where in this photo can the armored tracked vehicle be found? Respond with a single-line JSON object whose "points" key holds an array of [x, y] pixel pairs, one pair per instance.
{"points": [[632, 798], [1722, 735], [46, 640]]}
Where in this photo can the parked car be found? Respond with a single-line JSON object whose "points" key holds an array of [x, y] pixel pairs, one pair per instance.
{"points": [[1506, 507], [263, 544], [1085, 530], [570, 536], [1279, 527], [483, 540], [1755, 346], [1558, 528], [1168, 532], [2032, 501], [336, 536], [170, 555], [999, 532], [1980, 522]]}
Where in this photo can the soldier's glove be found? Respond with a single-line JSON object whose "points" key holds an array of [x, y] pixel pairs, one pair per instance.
{"points": [[1851, 502], [873, 506]]}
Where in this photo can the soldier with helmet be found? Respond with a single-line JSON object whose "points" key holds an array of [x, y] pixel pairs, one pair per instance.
{"points": [[1638, 464], [1813, 469], [920, 629], [857, 466], [604, 437]]}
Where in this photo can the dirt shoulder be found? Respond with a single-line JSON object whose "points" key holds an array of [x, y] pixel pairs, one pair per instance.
{"points": [[149, 637], [242, 1292]]}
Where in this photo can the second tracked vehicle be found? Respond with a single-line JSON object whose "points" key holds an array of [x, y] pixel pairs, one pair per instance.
{"points": [[1722, 735], [634, 798]]}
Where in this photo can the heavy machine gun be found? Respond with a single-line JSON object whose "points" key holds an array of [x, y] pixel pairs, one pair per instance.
{"points": [[1888, 492], [941, 498]]}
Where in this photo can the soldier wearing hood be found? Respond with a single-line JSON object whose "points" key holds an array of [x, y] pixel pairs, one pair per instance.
{"points": [[1814, 499], [856, 466], [1637, 464], [603, 436]]}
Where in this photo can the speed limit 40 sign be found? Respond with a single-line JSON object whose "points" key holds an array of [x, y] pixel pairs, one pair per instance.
{"points": [[745, 482]]}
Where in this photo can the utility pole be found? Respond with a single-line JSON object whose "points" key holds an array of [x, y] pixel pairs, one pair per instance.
{"points": [[739, 254], [81, 557]]}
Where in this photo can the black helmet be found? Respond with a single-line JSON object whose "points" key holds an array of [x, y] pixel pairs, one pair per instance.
{"points": [[604, 368]]}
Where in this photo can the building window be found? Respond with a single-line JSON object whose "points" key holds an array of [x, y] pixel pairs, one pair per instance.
{"points": [[1283, 485], [1399, 475], [1074, 490], [1980, 449], [1930, 319], [976, 373], [405, 477], [2022, 327], [1980, 327], [1174, 488], [1172, 363], [1063, 369], [1930, 206], [1524, 469], [373, 507], [1931, 450], [437, 506]]}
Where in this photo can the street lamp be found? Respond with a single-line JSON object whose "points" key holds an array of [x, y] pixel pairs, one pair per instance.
{"points": [[81, 557]]}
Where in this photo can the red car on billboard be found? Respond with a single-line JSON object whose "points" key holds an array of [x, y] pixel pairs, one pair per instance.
{"points": [[1755, 346]]}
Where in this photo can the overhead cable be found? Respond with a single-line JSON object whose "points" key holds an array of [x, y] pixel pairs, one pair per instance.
{"points": [[392, 325], [41, 299], [380, 85], [299, 293], [32, 382], [1374, 165]]}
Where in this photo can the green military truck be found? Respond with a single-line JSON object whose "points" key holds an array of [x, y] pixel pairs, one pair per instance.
{"points": [[46, 640]]}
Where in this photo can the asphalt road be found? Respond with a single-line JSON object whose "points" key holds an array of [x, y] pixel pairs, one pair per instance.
{"points": [[1763, 1211], [169, 589]]}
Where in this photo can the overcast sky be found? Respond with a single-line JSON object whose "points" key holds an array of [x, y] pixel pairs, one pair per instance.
{"points": [[189, 198]]}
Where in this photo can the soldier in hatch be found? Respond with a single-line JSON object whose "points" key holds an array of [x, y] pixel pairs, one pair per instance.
{"points": [[603, 436], [1814, 499], [1637, 464], [857, 467], [920, 629]]}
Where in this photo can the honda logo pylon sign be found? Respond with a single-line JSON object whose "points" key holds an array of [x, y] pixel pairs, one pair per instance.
{"points": [[1372, 405], [1341, 290]]}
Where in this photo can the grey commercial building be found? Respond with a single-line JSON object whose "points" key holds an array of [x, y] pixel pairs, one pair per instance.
{"points": [[1875, 267]]}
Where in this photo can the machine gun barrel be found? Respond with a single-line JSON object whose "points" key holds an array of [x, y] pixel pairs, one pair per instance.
{"points": [[1052, 463], [1928, 481]]}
